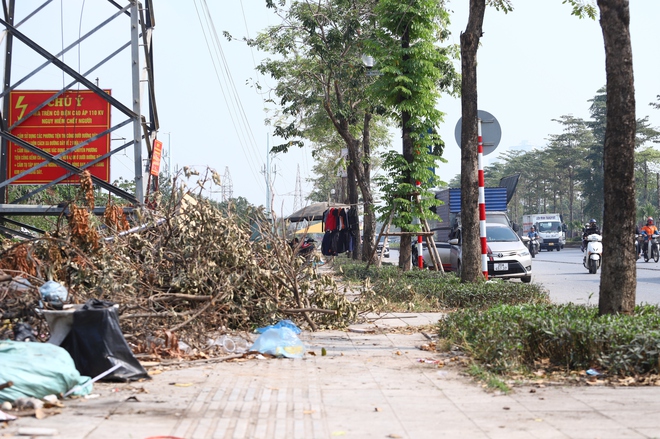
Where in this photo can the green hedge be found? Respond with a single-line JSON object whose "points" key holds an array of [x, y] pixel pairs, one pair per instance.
{"points": [[572, 337], [425, 290]]}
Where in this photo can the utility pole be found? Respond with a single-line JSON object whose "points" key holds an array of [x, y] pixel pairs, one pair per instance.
{"points": [[267, 171], [169, 155]]}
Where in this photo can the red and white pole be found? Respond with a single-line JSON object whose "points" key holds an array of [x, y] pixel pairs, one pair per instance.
{"points": [[482, 203], [420, 256]]}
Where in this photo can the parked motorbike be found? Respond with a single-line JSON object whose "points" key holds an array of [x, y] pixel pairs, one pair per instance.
{"points": [[593, 255], [534, 246], [650, 247], [305, 249]]}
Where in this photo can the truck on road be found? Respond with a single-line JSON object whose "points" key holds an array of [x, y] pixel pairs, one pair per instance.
{"points": [[551, 229]]}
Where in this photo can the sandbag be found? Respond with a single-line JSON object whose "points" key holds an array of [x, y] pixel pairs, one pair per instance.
{"points": [[38, 369]]}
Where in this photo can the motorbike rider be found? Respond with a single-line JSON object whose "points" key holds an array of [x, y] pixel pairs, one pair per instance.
{"points": [[648, 230], [532, 235], [590, 229]]}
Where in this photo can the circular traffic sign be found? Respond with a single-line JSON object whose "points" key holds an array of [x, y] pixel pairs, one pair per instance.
{"points": [[491, 132]]}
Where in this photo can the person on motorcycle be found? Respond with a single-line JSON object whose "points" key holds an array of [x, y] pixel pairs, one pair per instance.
{"points": [[648, 230], [590, 229], [533, 233]]}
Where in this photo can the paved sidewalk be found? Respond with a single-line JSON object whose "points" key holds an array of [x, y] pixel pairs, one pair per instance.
{"points": [[369, 385]]}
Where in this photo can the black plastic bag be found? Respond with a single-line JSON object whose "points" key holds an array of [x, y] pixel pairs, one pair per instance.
{"points": [[96, 343], [23, 332]]}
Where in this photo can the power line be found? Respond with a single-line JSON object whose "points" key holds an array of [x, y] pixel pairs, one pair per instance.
{"points": [[217, 57]]}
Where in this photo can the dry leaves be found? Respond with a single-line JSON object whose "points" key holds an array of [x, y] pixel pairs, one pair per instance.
{"points": [[188, 271]]}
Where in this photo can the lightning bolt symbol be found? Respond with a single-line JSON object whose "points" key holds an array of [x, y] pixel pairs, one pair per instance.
{"points": [[21, 106]]}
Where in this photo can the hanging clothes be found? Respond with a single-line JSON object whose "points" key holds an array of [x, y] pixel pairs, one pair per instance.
{"points": [[338, 231]]}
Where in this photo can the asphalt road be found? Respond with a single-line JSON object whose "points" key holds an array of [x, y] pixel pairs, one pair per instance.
{"points": [[566, 279]]}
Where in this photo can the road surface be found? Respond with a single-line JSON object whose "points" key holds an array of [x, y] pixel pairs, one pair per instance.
{"points": [[566, 279]]}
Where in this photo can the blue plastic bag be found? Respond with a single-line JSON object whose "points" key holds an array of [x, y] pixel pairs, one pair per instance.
{"points": [[281, 324], [280, 342], [54, 292]]}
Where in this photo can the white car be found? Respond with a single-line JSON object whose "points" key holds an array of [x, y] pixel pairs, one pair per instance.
{"points": [[508, 256]]}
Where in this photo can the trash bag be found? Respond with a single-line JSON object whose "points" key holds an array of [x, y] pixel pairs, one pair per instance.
{"points": [[281, 324], [23, 332], [20, 285], [96, 343], [54, 293], [37, 370], [280, 342]]}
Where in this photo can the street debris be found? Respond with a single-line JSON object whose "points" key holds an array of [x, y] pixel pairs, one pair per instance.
{"points": [[185, 272], [23, 365], [279, 340], [6, 416], [438, 363]]}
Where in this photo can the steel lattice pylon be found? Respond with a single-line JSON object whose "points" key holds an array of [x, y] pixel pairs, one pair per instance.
{"points": [[137, 20], [297, 195], [227, 186]]}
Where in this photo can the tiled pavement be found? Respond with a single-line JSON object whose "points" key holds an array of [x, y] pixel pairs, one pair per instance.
{"points": [[369, 385]]}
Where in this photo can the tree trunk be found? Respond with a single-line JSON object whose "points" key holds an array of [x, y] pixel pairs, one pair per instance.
{"points": [[618, 276], [405, 248], [571, 196], [361, 175], [471, 270], [353, 201], [645, 197], [657, 178], [369, 218]]}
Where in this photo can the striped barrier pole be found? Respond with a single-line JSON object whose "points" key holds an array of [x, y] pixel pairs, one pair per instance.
{"points": [[420, 256], [482, 203]]}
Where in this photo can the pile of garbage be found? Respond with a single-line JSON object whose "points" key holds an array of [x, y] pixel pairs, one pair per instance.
{"points": [[186, 272]]}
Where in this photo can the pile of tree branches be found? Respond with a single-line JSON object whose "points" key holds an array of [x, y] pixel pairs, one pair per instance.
{"points": [[186, 268]]}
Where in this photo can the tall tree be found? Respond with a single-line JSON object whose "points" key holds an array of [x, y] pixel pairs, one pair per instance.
{"points": [[647, 164], [592, 176], [471, 269], [319, 46], [569, 150], [413, 71], [618, 276]]}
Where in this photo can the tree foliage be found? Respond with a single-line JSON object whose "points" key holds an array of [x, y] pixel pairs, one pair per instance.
{"points": [[413, 71], [571, 161], [322, 86]]}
